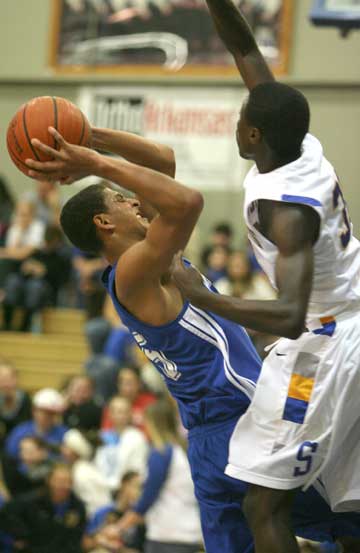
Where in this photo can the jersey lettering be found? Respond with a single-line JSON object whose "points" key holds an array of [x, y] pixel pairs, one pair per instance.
{"points": [[339, 202], [167, 367], [304, 455]]}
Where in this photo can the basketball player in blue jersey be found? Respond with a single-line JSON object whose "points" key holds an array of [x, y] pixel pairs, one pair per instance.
{"points": [[209, 364]]}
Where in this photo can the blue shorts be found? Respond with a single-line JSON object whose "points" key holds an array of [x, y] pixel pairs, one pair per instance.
{"points": [[220, 498]]}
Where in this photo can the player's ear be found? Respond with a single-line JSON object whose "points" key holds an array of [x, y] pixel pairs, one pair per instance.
{"points": [[102, 221], [255, 136]]}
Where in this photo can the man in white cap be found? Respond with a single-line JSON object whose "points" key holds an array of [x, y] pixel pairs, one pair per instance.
{"points": [[89, 485], [48, 405]]}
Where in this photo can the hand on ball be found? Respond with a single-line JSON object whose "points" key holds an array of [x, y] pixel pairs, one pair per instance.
{"points": [[69, 163]]}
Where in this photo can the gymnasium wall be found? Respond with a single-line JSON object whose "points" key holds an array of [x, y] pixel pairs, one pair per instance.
{"points": [[324, 66]]}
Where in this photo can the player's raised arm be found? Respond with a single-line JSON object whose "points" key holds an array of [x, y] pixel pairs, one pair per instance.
{"points": [[178, 207], [294, 231], [238, 38], [136, 149]]}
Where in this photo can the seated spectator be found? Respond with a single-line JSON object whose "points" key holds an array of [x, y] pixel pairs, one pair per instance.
{"points": [[167, 503], [25, 234], [51, 520], [38, 280], [15, 403], [89, 483], [125, 447], [7, 205], [96, 535], [90, 290], [242, 282], [48, 405], [129, 386], [221, 235], [83, 410], [217, 264], [31, 470], [47, 202]]}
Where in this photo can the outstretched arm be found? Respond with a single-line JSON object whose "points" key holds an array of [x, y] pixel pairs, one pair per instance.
{"points": [[238, 38], [294, 231]]}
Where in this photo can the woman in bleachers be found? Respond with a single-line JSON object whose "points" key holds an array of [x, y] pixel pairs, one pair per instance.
{"points": [[130, 387], [125, 447], [167, 504], [15, 403], [37, 281]]}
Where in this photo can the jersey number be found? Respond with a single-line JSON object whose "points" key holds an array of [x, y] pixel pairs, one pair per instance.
{"points": [[339, 201]]}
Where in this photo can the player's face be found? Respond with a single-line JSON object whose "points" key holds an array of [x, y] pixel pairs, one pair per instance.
{"points": [[243, 135], [125, 213]]}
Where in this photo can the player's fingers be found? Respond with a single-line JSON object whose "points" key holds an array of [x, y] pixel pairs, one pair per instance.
{"points": [[44, 166], [46, 149], [38, 175], [59, 139]]}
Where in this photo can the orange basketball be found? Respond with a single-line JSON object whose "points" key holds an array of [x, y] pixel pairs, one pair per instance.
{"points": [[32, 121]]}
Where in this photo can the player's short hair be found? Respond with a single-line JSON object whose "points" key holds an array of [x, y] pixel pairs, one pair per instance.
{"points": [[77, 218], [281, 113]]}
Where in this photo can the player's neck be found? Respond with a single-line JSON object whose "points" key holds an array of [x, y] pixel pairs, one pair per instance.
{"points": [[268, 161]]}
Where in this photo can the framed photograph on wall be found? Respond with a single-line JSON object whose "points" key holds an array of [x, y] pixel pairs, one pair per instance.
{"points": [[144, 38]]}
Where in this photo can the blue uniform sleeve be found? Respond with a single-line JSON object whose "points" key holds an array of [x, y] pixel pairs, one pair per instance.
{"points": [[158, 468], [97, 520]]}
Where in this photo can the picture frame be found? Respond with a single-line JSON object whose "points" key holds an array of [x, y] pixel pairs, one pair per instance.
{"points": [[161, 38]]}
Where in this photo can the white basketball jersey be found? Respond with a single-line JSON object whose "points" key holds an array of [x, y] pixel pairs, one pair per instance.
{"points": [[310, 180]]}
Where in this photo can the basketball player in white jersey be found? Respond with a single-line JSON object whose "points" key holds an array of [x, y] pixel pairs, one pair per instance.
{"points": [[304, 420]]}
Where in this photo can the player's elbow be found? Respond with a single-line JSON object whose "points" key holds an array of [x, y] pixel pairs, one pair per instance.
{"points": [[295, 325], [190, 205]]}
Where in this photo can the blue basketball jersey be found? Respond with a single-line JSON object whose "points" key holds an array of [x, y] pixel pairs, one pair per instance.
{"points": [[209, 364]]}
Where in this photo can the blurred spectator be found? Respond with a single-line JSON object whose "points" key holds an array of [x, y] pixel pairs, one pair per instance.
{"points": [[46, 199], [96, 535], [32, 468], [112, 346], [129, 386], [125, 447], [25, 234], [241, 282], [7, 205], [15, 403], [89, 290], [37, 281], [51, 520], [83, 410], [89, 483], [48, 404], [221, 235], [167, 503], [217, 261]]}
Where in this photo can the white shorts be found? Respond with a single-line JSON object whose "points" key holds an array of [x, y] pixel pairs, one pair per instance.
{"points": [[304, 421]]}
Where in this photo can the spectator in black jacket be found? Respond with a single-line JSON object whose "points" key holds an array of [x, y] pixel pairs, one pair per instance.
{"points": [[48, 521], [15, 403], [36, 283]]}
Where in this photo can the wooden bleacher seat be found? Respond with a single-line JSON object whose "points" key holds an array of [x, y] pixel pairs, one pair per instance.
{"points": [[48, 359]]}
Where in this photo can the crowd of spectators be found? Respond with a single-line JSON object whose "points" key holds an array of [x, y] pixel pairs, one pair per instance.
{"points": [[78, 473]]}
